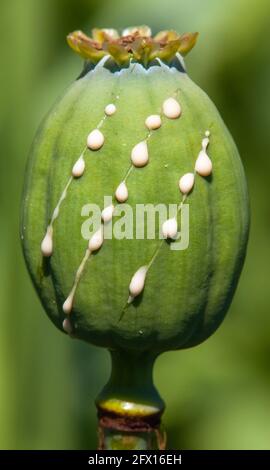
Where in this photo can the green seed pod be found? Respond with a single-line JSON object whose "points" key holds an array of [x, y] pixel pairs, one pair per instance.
{"points": [[135, 128]]}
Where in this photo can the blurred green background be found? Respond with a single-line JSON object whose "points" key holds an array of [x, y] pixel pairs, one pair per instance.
{"points": [[218, 394]]}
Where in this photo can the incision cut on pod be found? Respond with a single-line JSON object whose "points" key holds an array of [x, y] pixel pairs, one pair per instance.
{"points": [[95, 141]]}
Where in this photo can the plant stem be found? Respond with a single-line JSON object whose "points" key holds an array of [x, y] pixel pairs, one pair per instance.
{"points": [[111, 439], [129, 406]]}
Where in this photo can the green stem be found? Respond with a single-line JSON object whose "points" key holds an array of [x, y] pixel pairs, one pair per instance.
{"points": [[115, 440], [129, 406]]}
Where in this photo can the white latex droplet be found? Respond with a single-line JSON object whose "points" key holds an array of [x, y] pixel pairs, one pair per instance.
{"points": [[137, 282], [171, 108], [67, 326], [107, 213], [203, 164], [153, 122], [139, 154], [95, 140], [97, 240], [186, 183], [47, 243], [121, 192], [78, 168], [68, 304], [110, 109], [169, 228]]}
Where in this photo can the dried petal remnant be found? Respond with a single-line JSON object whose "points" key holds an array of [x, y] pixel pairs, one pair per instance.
{"points": [[135, 43]]}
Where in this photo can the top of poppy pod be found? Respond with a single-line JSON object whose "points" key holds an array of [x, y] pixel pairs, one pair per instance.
{"points": [[135, 43]]}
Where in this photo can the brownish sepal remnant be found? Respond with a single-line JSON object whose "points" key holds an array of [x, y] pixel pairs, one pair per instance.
{"points": [[135, 43]]}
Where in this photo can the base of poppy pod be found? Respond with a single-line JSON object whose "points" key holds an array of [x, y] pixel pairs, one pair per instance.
{"points": [[129, 407], [116, 433]]}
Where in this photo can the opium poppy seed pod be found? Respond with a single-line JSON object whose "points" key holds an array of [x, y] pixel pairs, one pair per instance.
{"points": [[134, 126]]}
